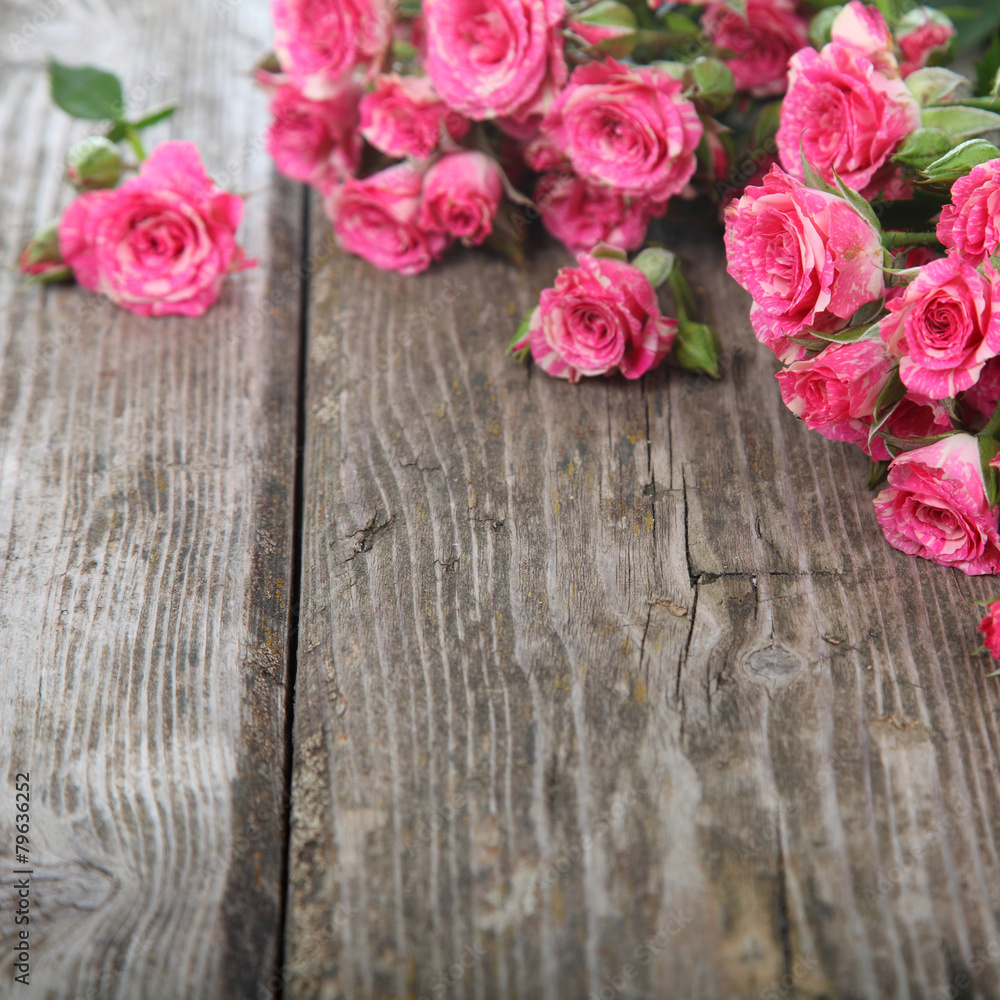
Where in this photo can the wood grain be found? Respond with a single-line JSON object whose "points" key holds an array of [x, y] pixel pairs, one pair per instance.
{"points": [[146, 484], [616, 690]]}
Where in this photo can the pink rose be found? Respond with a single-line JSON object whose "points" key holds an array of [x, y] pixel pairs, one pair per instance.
{"points": [[807, 257], [581, 214], [924, 35], [846, 115], [403, 116], [970, 225], [495, 58], [319, 42], [377, 219], [600, 316], [161, 243], [990, 629], [461, 195], [627, 127], [835, 392], [944, 327], [936, 507], [315, 141], [761, 44]]}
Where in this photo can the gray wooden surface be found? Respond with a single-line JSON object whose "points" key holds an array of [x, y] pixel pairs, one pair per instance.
{"points": [[611, 690], [146, 480]]}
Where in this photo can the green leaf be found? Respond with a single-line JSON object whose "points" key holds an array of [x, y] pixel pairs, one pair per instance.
{"points": [[960, 122], [867, 313], [859, 204], [522, 333], [86, 92], [987, 69], [989, 448], [911, 444], [992, 428], [696, 348], [888, 399]]}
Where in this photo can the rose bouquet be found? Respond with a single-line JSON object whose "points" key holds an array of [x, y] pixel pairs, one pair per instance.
{"points": [[158, 243], [870, 252]]}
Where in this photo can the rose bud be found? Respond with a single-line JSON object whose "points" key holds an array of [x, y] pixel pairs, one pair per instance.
{"points": [[41, 259], [925, 38], [93, 163], [461, 194], [936, 506]]}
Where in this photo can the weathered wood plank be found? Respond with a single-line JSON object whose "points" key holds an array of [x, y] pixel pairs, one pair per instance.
{"points": [[146, 490], [615, 690]]}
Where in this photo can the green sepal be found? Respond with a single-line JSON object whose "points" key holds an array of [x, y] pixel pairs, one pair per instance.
{"points": [[810, 176], [960, 161], [851, 335], [522, 333], [911, 444], [656, 263], [696, 348], [86, 92], [892, 394], [989, 448], [876, 472], [610, 251], [859, 204], [55, 276]]}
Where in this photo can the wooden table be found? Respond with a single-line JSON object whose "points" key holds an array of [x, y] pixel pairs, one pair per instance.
{"points": [[350, 659]]}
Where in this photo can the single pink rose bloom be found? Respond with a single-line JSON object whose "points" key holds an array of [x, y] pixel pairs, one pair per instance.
{"points": [[807, 258], [936, 507], [461, 195], [319, 42], [846, 115], [581, 214], [377, 218], [600, 316], [403, 116], [316, 142], [160, 244], [924, 37], [495, 58], [627, 127], [990, 628], [762, 43], [970, 225], [835, 392], [944, 327]]}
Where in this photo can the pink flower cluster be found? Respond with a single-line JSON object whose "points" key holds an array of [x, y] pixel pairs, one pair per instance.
{"points": [[909, 370], [365, 87]]}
